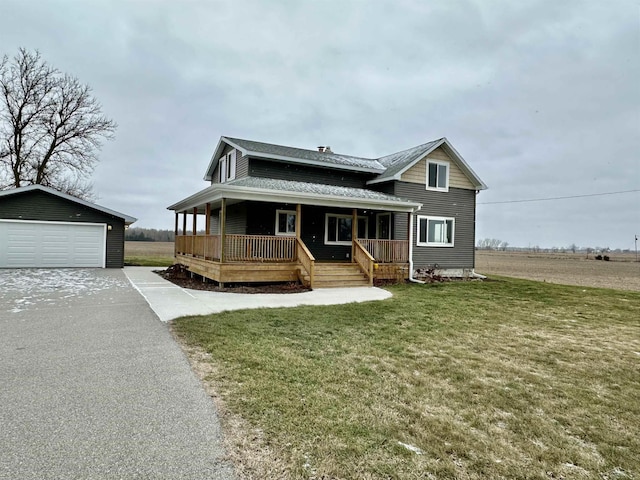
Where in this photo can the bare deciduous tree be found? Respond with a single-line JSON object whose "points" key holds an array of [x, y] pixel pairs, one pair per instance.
{"points": [[51, 127], [490, 243]]}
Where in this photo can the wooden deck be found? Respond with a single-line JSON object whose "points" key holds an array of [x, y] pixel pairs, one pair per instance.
{"points": [[260, 258]]}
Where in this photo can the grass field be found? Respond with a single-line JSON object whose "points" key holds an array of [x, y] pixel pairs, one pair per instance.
{"points": [[148, 254], [501, 379]]}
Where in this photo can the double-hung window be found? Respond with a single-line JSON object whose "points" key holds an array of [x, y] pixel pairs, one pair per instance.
{"points": [[285, 222], [436, 231], [228, 166], [438, 176], [338, 229]]}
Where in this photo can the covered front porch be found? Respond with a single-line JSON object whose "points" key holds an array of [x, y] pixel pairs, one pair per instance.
{"points": [[259, 236]]}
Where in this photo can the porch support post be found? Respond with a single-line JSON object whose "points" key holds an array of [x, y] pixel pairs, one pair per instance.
{"points": [[195, 221], [354, 232], [175, 235], [298, 221], [223, 227], [207, 220], [184, 222]]}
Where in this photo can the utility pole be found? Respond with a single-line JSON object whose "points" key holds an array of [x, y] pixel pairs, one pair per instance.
{"points": [[636, 248]]}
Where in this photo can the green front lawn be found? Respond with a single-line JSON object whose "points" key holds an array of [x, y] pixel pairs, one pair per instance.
{"points": [[503, 379]]}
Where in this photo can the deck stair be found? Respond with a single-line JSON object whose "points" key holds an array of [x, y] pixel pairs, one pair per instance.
{"points": [[335, 275]]}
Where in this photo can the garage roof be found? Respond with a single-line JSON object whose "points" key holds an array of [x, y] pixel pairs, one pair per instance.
{"points": [[128, 220]]}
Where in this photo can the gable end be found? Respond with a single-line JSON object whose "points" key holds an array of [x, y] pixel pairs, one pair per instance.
{"points": [[418, 172]]}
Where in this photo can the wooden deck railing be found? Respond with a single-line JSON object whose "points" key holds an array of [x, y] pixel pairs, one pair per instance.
{"points": [[259, 248], [205, 246], [364, 259], [387, 251], [307, 260]]}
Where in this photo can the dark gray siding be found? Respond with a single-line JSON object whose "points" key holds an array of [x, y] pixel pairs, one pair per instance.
{"points": [[242, 165], [305, 173], [456, 203], [236, 223], [37, 205]]}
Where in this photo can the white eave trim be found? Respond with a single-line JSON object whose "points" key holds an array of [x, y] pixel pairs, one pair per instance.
{"points": [[217, 192], [217, 153]]}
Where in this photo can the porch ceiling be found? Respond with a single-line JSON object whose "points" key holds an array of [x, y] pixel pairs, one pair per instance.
{"points": [[286, 191]]}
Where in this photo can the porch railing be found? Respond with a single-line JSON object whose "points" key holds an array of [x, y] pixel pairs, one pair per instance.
{"points": [[205, 246], [387, 251], [238, 248], [259, 248]]}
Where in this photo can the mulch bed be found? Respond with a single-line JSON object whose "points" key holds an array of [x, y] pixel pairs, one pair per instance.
{"points": [[182, 277]]}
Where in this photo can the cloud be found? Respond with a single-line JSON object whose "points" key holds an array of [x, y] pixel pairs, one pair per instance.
{"points": [[541, 98]]}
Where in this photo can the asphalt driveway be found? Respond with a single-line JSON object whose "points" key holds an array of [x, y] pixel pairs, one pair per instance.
{"points": [[93, 386]]}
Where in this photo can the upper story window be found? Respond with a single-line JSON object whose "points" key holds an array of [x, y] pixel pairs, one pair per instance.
{"points": [[227, 167], [338, 229], [435, 231], [285, 222], [438, 176]]}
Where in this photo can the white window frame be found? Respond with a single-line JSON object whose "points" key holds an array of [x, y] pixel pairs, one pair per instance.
{"points": [[436, 188], [231, 165], [228, 167], [427, 219], [277, 229], [338, 215], [223, 169], [378, 215]]}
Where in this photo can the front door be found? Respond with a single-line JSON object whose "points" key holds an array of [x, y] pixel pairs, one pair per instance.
{"points": [[383, 226]]}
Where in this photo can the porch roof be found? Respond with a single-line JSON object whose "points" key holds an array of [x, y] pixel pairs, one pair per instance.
{"points": [[287, 191]]}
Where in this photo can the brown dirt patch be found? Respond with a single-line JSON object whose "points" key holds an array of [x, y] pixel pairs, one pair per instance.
{"points": [[179, 275], [621, 273]]}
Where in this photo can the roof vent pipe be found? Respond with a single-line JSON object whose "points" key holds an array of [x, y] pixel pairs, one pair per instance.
{"points": [[324, 149]]}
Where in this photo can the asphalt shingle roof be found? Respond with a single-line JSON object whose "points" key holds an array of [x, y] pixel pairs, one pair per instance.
{"points": [[312, 155], [314, 188]]}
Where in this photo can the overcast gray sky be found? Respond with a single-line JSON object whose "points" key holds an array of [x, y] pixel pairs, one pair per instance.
{"points": [[541, 98]]}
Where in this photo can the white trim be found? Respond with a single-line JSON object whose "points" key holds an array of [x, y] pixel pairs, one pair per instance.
{"points": [[341, 215], [231, 165], [366, 219], [438, 219], [378, 215], [284, 234], [438, 163], [54, 222]]}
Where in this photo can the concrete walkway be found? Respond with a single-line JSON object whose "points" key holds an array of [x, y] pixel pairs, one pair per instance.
{"points": [[169, 301]]}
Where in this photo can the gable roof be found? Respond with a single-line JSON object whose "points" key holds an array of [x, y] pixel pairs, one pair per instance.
{"points": [[387, 168], [128, 220], [398, 163], [293, 154]]}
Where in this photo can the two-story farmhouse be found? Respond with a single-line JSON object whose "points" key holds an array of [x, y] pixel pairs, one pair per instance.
{"points": [[275, 213]]}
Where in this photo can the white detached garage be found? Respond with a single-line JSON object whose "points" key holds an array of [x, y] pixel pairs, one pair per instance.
{"points": [[43, 228]]}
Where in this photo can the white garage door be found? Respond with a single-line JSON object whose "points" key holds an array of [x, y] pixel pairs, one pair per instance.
{"points": [[51, 244]]}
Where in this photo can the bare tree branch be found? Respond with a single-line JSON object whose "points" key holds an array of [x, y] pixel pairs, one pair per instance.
{"points": [[51, 127]]}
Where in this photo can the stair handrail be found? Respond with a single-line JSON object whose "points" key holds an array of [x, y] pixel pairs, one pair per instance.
{"points": [[307, 260], [364, 259]]}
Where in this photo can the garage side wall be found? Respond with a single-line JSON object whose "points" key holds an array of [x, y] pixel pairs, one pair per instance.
{"points": [[45, 207]]}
